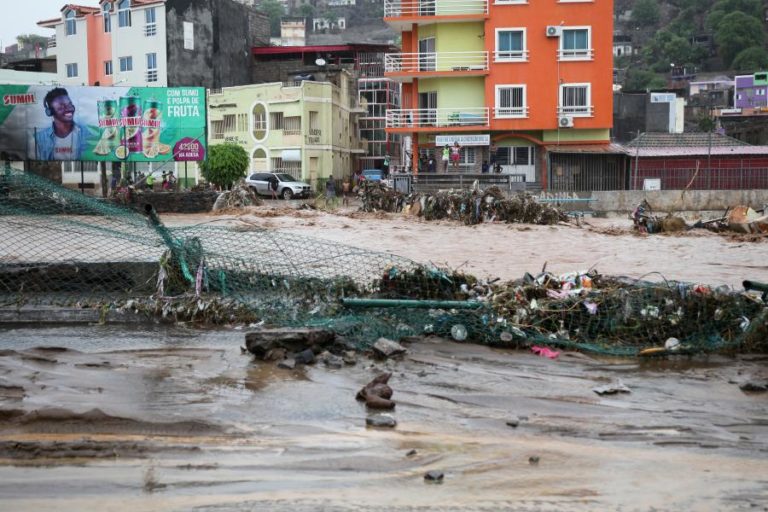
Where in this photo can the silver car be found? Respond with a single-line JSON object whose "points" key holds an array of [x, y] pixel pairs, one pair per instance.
{"points": [[287, 186]]}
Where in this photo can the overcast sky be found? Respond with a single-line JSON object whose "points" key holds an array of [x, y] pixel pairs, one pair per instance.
{"points": [[21, 17]]}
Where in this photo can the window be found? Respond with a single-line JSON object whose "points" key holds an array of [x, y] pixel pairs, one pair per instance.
{"points": [[575, 100], [259, 114], [314, 123], [151, 67], [292, 168], [126, 64], [107, 18], [150, 27], [510, 45], [71, 23], [576, 44], [108, 67], [124, 13], [516, 155], [467, 156], [71, 70], [217, 129], [189, 36], [292, 125], [229, 123], [511, 101], [276, 120], [242, 122]]}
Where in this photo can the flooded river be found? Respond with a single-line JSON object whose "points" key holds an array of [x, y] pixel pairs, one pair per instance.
{"points": [[140, 419]]}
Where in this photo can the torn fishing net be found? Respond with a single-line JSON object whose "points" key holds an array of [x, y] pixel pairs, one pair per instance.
{"points": [[65, 248]]}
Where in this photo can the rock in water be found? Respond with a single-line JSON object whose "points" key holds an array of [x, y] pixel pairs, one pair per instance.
{"points": [[288, 364], [434, 476], [387, 348], [305, 357], [381, 420]]}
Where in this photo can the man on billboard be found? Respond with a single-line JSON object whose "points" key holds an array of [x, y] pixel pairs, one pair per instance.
{"points": [[63, 139]]}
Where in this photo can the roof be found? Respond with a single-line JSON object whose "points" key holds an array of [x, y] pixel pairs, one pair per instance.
{"points": [[277, 50], [609, 148], [683, 140], [80, 10], [719, 151]]}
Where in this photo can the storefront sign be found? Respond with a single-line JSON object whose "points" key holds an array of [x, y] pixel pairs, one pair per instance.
{"points": [[463, 140]]}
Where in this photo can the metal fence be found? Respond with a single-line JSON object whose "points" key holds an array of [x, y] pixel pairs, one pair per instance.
{"points": [[742, 178]]}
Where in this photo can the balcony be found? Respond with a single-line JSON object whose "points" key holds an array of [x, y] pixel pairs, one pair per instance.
{"points": [[426, 119], [511, 112], [405, 66], [400, 14]]}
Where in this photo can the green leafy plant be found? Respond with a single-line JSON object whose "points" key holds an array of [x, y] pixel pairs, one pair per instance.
{"points": [[226, 163]]}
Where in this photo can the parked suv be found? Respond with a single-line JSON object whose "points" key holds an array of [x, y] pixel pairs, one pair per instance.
{"points": [[287, 186]]}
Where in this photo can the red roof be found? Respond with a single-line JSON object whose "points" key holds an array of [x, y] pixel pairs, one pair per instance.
{"points": [[80, 10]]}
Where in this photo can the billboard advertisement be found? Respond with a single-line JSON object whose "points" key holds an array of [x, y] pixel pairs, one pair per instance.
{"points": [[113, 124]]}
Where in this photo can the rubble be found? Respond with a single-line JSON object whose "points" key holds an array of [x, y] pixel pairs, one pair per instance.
{"points": [[470, 207], [240, 196]]}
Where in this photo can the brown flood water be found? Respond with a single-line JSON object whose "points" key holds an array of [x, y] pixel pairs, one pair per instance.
{"points": [[171, 419], [509, 250]]}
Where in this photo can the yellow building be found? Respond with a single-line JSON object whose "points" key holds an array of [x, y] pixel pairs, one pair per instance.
{"points": [[306, 129]]}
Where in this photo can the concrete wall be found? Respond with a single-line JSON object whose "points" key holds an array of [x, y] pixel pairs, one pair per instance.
{"points": [[224, 32], [677, 200]]}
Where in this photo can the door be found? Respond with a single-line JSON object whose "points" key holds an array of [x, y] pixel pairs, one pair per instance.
{"points": [[314, 164], [262, 185], [427, 56], [428, 108]]}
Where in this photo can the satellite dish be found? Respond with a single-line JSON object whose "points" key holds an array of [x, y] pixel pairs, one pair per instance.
{"points": [[320, 62]]}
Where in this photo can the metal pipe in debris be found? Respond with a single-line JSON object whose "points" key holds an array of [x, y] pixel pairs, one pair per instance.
{"points": [[410, 303]]}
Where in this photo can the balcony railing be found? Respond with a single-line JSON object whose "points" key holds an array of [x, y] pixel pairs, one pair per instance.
{"points": [[584, 54], [437, 117], [430, 62], [510, 112], [510, 56], [150, 29], [52, 42], [409, 8], [576, 111]]}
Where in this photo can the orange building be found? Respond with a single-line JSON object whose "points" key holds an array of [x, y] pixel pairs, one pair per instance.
{"points": [[509, 80]]}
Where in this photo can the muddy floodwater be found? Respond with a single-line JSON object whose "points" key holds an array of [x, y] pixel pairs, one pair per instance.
{"points": [[140, 419]]}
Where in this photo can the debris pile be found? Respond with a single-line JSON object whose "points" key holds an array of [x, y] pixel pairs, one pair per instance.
{"points": [[470, 207], [240, 196]]}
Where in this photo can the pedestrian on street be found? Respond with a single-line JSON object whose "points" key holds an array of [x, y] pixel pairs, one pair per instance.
{"points": [[455, 155], [431, 163], [330, 189], [272, 183], [446, 157], [345, 189]]}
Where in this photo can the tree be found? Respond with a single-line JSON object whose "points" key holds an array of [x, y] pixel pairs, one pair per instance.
{"points": [[723, 8], [225, 164], [307, 10], [646, 13], [751, 59], [667, 48], [30, 40], [274, 11], [737, 32], [643, 79]]}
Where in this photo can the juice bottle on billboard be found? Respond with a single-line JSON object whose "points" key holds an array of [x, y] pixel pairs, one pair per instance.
{"points": [[151, 128], [130, 121], [109, 124]]}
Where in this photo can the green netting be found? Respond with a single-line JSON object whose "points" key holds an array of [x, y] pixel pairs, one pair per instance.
{"points": [[61, 247]]}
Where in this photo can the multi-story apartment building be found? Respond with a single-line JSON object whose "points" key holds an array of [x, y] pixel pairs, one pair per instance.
{"points": [[507, 79], [377, 96], [157, 42], [306, 129]]}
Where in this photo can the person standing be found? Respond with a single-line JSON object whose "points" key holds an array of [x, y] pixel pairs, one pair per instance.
{"points": [[150, 182], [330, 191], [385, 166], [446, 157], [455, 155], [431, 163], [272, 184], [345, 189]]}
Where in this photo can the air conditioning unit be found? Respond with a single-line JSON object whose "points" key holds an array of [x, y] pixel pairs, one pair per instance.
{"points": [[565, 122], [554, 31]]}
